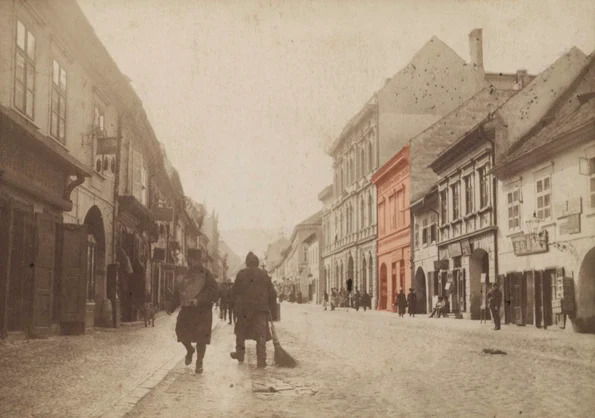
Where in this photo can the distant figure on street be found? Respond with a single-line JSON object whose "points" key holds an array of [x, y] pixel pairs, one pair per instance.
{"points": [[223, 301], [366, 301], [255, 300], [438, 308], [494, 301], [357, 297], [231, 304], [196, 293], [411, 301], [325, 300], [299, 297], [401, 303], [335, 299]]}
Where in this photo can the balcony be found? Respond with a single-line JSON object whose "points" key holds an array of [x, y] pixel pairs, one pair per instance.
{"points": [[349, 240]]}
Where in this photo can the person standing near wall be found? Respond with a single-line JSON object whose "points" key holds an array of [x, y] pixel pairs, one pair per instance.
{"points": [[494, 301]]}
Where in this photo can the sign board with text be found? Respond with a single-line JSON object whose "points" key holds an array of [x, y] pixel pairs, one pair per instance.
{"points": [[529, 244]]}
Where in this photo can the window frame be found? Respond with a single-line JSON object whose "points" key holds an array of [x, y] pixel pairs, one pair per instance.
{"points": [[60, 91], [513, 203], [484, 187], [456, 201], [29, 62], [469, 197], [444, 207], [543, 194]]}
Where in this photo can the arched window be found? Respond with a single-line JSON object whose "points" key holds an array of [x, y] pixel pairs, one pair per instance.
{"points": [[363, 162], [370, 208], [370, 157], [362, 213]]}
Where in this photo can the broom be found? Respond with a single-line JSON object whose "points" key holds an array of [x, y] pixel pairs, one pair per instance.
{"points": [[282, 357]]}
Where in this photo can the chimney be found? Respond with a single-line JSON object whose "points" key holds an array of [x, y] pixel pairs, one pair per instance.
{"points": [[522, 78], [476, 48]]}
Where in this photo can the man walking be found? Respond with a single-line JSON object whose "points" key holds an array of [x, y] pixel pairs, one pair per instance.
{"points": [[196, 294], [401, 303], [494, 301], [223, 301], [366, 301], [255, 297], [411, 301]]}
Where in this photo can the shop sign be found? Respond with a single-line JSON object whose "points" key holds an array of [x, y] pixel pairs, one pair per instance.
{"points": [[466, 247], [571, 224], [529, 244], [441, 265], [107, 146], [454, 249]]}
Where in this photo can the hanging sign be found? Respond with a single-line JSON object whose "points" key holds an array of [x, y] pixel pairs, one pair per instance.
{"points": [[529, 244], [107, 146]]}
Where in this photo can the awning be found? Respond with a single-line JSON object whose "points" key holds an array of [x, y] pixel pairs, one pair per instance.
{"points": [[30, 134]]}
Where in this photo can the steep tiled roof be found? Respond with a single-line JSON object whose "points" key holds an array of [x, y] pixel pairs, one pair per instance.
{"points": [[569, 112], [429, 144]]}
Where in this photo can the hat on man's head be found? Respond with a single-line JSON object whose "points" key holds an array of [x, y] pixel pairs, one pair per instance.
{"points": [[252, 260], [411, 289]]}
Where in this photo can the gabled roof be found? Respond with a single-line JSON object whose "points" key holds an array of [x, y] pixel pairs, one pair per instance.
{"points": [[428, 145], [574, 108]]}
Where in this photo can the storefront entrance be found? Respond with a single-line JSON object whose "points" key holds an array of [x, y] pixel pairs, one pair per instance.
{"points": [[479, 263]]}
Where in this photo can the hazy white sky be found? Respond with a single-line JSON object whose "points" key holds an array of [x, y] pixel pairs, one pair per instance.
{"points": [[244, 93]]}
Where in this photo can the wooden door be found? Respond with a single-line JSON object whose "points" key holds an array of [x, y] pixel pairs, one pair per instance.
{"points": [[530, 296], [5, 223], [43, 275], [538, 298], [519, 298], [74, 274]]}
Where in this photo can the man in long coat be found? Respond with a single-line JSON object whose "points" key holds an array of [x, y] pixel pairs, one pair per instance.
{"points": [[411, 302], [196, 315], [401, 302], [494, 301], [255, 299]]}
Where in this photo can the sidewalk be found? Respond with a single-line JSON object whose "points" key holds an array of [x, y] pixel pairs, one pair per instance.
{"points": [[88, 375]]}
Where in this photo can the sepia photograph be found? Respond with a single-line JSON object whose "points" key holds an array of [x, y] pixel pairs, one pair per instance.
{"points": [[297, 208]]}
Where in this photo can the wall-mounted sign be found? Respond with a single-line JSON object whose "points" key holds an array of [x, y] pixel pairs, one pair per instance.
{"points": [[441, 265], [568, 207], [454, 249], [529, 244], [466, 247], [571, 224], [107, 146]]}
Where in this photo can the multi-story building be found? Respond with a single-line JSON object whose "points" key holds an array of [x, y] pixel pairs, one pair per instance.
{"points": [[312, 245], [547, 193], [211, 230], [394, 251]]}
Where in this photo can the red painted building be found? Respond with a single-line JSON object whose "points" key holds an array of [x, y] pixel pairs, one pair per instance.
{"points": [[394, 235]]}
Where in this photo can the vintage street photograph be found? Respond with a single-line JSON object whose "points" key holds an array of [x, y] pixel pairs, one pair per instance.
{"points": [[297, 208]]}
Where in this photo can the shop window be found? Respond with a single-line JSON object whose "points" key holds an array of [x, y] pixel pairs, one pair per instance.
{"points": [[24, 83], [468, 194], [58, 106], [483, 187], [443, 207], [544, 197]]}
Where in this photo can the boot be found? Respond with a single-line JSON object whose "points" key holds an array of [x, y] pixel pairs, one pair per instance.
{"points": [[237, 356], [200, 354], [189, 355]]}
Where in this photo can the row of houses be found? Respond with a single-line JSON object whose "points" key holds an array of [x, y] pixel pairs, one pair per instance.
{"points": [[451, 178], [93, 217]]}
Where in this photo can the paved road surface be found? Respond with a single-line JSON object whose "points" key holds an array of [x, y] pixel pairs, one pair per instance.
{"points": [[373, 364]]}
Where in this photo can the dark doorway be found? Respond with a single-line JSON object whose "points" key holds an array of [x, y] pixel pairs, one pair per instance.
{"points": [[479, 263], [364, 272], [383, 288], [420, 290]]}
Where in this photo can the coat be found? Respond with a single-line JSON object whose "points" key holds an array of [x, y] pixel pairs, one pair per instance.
{"points": [[254, 295], [401, 302], [194, 322], [495, 298], [411, 301]]}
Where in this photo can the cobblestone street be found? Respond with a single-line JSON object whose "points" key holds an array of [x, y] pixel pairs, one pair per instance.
{"points": [[81, 376], [375, 364]]}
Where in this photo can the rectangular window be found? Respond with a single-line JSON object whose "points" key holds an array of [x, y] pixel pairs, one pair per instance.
{"points": [[24, 82], [416, 235], [592, 181], [433, 236], [544, 197], [456, 201], [514, 209], [425, 232], [58, 118], [468, 195], [483, 188], [381, 218], [443, 207], [392, 208]]}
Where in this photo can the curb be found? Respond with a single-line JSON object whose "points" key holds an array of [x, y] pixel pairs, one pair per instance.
{"points": [[126, 403]]}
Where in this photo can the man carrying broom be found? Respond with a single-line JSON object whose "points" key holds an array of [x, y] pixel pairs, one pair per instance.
{"points": [[255, 299], [196, 293]]}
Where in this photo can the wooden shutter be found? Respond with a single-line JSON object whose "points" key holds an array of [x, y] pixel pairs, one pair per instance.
{"points": [[74, 273], [530, 297], [43, 279]]}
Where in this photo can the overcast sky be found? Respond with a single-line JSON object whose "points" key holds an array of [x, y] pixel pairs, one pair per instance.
{"points": [[245, 93]]}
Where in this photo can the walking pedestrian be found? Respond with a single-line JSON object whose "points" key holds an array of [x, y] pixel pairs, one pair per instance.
{"points": [[325, 300], [231, 305], [494, 300], [401, 303], [357, 299], [255, 300], [411, 302], [196, 294], [223, 301], [366, 301]]}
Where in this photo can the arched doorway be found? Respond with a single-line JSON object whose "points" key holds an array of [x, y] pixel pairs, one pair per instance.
{"points": [[95, 256], [585, 309], [350, 273], [364, 272], [420, 289], [383, 287], [479, 263]]}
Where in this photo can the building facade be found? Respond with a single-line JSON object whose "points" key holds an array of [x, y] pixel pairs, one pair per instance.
{"points": [[394, 237], [547, 225]]}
